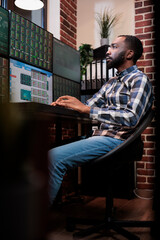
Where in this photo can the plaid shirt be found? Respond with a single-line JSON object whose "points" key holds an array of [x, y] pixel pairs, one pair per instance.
{"points": [[121, 103]]}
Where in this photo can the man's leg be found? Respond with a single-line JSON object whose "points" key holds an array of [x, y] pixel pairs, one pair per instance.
{"points": [[73, 155]]}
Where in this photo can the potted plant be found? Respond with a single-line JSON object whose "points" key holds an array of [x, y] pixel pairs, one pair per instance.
{"points": [[86, 57], [106, 20]]}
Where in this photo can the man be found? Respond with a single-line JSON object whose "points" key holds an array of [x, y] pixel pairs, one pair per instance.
{"points": [[119, 106]]}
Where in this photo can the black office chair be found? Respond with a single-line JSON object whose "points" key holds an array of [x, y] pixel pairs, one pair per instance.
{"points": [[130, 150]]}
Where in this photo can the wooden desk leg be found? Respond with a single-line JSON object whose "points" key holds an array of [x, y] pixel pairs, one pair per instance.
{"points": [[79, 129]]}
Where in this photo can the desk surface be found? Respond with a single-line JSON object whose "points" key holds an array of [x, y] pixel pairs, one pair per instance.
{"points": [[44, 115], [48, 111]]}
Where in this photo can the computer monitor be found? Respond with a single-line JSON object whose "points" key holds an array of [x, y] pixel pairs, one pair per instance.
{"points": [[29, 83], [66, 61], [63, 86], [4, 79], [4, 23], [30, 43]]}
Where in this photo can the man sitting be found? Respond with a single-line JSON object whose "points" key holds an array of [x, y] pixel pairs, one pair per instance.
{"points": [[119, 106]]}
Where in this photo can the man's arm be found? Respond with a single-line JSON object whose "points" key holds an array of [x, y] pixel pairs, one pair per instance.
{"points": [[97, 100], [72, 102], [140, 100]]}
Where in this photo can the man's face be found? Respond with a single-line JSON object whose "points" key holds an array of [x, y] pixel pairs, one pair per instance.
{"points": [[116, 54]]}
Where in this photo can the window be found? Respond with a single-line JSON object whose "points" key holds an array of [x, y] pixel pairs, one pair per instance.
{"points": [[39, 17]]}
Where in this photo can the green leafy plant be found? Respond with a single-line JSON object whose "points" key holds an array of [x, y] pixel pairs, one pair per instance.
{"points": [[106, 20], [86, 57]]}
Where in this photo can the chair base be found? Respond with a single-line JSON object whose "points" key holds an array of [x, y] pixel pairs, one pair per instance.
{"points": [[107, 224]]}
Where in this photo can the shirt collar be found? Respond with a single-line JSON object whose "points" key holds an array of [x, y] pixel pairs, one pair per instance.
{"points": [[125, 72]]}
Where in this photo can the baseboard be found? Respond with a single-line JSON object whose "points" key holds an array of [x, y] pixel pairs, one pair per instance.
{"points": [[144, 193]]}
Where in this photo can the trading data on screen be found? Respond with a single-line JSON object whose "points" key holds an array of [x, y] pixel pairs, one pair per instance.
{"points": [[28, 83]]}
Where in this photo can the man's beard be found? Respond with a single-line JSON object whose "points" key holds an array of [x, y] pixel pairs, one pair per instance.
{"points": [[117, 62]]}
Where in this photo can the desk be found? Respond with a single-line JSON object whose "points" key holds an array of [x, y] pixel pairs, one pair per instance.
{"points": [[24, 174], [47, 113]]}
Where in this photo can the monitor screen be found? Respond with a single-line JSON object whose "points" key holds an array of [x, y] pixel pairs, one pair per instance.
{"points": [[29, 83], [4, 23], [66, 61], [4, 79], [30, 43], [63, 86]]}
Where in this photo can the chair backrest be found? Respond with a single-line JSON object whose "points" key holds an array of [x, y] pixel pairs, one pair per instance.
{"points": [[131, 139]]}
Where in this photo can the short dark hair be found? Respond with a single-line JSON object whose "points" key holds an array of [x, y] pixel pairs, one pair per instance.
{"points": [[134, 44]]}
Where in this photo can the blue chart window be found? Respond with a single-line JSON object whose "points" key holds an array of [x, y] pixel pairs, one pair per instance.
{"points": [[25, 79], [26, 95], [28, 83]]}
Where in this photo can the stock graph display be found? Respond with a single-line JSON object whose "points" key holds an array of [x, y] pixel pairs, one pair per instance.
{"points": [[4, 23], [30, 43], [29, 83]]}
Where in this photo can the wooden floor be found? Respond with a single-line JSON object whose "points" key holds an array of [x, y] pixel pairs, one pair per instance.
{"points": [[135, 209]]}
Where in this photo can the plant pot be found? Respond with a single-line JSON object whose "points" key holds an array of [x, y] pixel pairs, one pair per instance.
{"points": [[104, 41]]}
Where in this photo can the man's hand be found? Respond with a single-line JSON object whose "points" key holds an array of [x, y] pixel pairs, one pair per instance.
{"points": [[71, 102]]}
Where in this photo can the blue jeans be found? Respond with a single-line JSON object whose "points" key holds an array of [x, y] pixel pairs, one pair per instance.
{"points": [[73, 155]]}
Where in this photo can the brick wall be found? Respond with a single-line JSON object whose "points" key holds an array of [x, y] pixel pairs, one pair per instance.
{"points": [[68, 131], [68, 22], [68, 35], [144, 30]]}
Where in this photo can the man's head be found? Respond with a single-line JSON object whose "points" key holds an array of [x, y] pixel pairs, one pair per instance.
{"points": [[124, 52]]}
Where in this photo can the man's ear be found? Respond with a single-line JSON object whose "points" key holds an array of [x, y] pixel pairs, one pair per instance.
{"points": [[130, 54]]}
